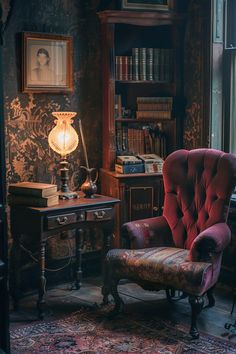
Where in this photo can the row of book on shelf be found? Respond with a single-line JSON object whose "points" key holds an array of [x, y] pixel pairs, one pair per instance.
{"points": [[33, 194], [141, 140], [148, 107], [148, 163], [145, 64]]}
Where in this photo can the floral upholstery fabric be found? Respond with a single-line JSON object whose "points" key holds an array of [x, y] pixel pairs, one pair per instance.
{"points": [[166, 266]]}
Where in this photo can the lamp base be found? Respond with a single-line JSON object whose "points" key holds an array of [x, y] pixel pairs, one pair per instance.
{"points": [[68, 195]]}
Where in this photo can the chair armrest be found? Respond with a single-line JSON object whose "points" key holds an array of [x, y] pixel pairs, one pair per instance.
{"points": [[211, 241], [149, 232]]}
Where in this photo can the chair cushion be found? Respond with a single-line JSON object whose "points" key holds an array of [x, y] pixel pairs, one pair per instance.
{"points": [[165, 266]]}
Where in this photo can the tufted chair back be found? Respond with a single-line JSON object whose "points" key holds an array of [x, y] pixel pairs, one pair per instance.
{"points": [[198, 185]]}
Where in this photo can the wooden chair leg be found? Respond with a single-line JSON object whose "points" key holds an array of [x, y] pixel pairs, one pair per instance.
{"points": [[119, 304], [211, 299], [196, 303]]}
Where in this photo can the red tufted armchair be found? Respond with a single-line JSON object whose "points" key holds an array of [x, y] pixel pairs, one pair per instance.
{"points": [[182, 249]]}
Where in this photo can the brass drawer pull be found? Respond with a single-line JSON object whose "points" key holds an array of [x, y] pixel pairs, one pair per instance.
{"points": [[62, 221], [99, 214]]}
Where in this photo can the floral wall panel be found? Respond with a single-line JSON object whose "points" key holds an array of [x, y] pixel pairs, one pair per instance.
{"points": [[197, 71]]}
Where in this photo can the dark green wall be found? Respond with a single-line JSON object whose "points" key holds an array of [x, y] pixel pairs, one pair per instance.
{"points": [[28, 116]]}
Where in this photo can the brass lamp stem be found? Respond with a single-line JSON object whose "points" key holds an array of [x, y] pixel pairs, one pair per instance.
{"points": [[65, 192]]}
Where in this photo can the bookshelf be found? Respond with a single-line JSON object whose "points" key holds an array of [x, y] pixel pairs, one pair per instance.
{"points": [[142, 68]]}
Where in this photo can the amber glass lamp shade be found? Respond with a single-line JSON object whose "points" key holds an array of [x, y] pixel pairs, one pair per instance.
{"points": [[63, 139]]}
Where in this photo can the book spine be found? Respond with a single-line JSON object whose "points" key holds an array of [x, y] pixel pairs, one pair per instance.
{"points": [[135, 64], [118, 63], [147, 141], [118, 107], [155, 100], [124, 65], [154, 167], [142, 64], [149, 64], [154, 107], [130, 68], [124, 138], [139, 168], [129, 162], [118, 138], [162, 65], [153, 114], [156, 64], [32, 201], [31, 192]]}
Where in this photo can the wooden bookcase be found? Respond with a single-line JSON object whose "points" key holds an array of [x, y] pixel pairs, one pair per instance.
{"points": [[121, 32]]}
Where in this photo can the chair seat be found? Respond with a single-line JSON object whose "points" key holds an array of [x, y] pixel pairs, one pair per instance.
{"points": [[164, 266]]}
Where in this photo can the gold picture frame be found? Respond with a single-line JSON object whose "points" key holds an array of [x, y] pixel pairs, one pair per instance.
{"points": [[46, 63], [152, 5]]}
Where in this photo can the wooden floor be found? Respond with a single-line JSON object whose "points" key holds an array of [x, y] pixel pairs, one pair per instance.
{"points": [[61, 300]]}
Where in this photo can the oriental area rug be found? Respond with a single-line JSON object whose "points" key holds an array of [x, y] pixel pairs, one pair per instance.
{"points": [[91, 331]]}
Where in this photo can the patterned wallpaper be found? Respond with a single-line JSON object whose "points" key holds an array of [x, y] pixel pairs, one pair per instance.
{"points": [[28, 116]]}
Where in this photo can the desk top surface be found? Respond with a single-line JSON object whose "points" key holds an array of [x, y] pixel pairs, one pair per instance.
{"points": [[80, 202]]}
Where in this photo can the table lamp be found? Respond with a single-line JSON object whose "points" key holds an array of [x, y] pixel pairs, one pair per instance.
{"points": [[63, 139]]}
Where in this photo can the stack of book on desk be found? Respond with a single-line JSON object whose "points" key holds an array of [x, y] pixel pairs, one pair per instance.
{"points": [[33, 194], [129, 164]]}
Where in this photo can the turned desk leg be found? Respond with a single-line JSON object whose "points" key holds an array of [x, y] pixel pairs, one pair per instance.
{"points": [[79, 238], [106, 247], [15, 275], [42, 281]]}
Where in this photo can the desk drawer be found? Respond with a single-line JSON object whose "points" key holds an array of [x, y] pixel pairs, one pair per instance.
{"points": [[53, 222], [99, 214]]}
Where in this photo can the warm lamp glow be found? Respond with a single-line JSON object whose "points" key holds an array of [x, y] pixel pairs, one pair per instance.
{"points": [[63, 138]]}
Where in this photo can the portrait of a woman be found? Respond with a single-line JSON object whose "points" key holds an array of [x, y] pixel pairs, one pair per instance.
{"points": [[42, 72], [47, 62]]}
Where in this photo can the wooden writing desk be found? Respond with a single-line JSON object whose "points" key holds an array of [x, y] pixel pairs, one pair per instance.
{"points": [[41, 223]]}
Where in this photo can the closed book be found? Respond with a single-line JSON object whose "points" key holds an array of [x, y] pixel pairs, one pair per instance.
{"points": [[142, 63], [150, 158], [156, 64], [130, 68], [135, 64], [153, 114], [134, 168], [149, 64], [128, 160], [155, 99], [153, 167], [33, 189], [33, 201], [154, 106]]}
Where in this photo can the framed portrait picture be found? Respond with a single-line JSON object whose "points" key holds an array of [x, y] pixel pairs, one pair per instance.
{"points": [[145, 4], [47, 63]]}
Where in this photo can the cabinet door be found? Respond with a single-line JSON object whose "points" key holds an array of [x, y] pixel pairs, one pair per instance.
{"points": [[144, 198]]}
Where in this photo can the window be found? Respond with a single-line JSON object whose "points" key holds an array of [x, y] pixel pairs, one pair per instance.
{"points": [[229, 61], [223, 91]]}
